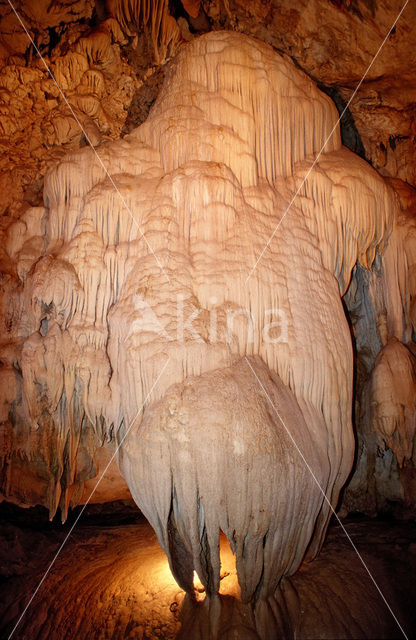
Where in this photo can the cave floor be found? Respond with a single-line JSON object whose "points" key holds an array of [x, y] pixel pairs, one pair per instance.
{"points": [[112, 581]]}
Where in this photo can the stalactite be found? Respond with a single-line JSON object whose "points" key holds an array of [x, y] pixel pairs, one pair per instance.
{"points": [[137, 14]]}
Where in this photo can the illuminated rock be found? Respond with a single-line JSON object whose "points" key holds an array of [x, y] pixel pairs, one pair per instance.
{"points": [[196, 312]]}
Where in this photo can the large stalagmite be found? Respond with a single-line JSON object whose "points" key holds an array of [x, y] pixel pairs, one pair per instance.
{"points": [[382, 307], [174, 312]]}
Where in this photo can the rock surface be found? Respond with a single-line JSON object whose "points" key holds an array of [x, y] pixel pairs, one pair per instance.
{"points": [[114, 582]]}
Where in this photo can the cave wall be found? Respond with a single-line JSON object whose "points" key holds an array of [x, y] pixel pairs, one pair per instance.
{"points": [[110, 60]]}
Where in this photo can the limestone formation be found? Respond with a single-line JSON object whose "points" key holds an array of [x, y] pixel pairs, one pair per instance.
{"points": [[382, 307], [181, 304]]}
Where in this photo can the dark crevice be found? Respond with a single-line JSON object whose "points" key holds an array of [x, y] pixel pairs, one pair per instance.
{"points": [[54, 38], [349, 133], [108, 514], [143, 100], [200, 24], [181, 560], [393, 140], [99, 14], [353, 6]]}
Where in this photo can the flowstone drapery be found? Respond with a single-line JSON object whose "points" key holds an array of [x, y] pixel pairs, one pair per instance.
{"points": [[176, 314]]}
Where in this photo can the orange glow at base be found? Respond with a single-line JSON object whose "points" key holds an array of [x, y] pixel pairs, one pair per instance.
{"points": [[228, 573]]}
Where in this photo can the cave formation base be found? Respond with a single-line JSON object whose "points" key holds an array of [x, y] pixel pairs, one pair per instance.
{"points": [[112, 580]]}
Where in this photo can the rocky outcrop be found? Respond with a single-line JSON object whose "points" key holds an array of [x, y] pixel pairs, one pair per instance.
{"points": [[382, 308], [337, 42]]}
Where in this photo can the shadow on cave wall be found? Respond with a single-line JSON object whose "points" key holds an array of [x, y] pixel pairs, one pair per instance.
{"points": [[144, 98], [349, 132]]}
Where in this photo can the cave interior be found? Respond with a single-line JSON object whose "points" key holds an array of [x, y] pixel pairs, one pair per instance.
{"points": [[207, 319]]}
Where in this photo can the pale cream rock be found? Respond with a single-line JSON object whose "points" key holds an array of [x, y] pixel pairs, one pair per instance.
{"points": [[202, 186]]}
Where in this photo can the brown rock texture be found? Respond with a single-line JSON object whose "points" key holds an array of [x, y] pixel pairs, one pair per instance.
{"points": [[114, 581]]}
